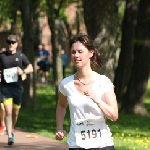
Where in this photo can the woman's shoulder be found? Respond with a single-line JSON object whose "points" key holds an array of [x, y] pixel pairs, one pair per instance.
{"points": [[104, 82], [67, 79], [101, 78]]}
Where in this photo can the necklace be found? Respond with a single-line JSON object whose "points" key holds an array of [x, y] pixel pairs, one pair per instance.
{"points": [[84, 83]]}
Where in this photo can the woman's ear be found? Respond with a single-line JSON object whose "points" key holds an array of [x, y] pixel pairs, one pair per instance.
{"points": [[91, 53]]}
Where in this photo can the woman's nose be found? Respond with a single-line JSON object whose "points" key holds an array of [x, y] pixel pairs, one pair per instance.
{"points": [[76, 54]]}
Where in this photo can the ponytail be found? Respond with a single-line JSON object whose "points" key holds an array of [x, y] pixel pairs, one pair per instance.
{"points": [[96, 59]]}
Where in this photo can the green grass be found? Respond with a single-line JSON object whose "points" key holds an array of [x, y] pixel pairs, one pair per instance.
{"points": [[130, 132]]}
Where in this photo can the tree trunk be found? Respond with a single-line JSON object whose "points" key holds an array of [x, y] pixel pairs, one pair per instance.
{"points": [[36, 40], [51, 21], [125, 63], [56, 41], [27, 48], [101, 20], [60, 40], [133, 101]]}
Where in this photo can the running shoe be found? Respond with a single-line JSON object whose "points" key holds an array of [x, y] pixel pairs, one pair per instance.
{"points": [[43, 79], [11, 140], [2, 130]]}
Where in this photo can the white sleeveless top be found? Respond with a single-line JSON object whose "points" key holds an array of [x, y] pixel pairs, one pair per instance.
{"points": [[82, 107]]}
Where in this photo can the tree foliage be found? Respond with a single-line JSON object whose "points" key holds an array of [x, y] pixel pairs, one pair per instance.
{"points": [[102, 26], [58, 23], [6, 9], [133, 100]]}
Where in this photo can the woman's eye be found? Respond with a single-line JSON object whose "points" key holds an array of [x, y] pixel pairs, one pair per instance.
{"points": [[74, 52]]}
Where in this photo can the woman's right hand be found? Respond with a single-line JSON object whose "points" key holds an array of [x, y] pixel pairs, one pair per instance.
{"points": [[60, 134]]}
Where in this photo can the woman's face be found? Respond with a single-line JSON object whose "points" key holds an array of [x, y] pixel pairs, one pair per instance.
{"points": [[80, 55]]}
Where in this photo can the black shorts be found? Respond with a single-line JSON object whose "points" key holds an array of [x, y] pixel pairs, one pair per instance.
{"points": [[43, 65], [46, 67], [104, 148], [12, 95]]}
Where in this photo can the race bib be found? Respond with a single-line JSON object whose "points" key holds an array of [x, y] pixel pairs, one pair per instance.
{"points": [[11, 75], [91, 133]]}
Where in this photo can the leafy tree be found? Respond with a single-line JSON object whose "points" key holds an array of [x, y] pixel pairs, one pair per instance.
{"points": [[27, 41], [6, 9], [53, 15], [57, 22], [133, 100], [30, 14], [9, 13], [125, 63], [101, 20]]}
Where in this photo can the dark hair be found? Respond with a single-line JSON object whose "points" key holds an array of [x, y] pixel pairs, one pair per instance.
{"points": [[96, 59]]}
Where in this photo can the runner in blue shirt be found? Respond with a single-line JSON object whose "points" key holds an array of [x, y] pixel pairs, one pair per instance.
{"points": [[43, 62], [64, 58]]}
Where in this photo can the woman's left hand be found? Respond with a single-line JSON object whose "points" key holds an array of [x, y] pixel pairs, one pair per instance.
{"points": [[90, 94]]}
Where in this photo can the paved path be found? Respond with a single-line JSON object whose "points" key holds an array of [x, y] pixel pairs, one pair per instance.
{"points": [[22, 142]]}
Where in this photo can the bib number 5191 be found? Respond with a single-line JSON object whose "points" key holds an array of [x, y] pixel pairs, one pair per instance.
{"points": [[93, 134]]}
